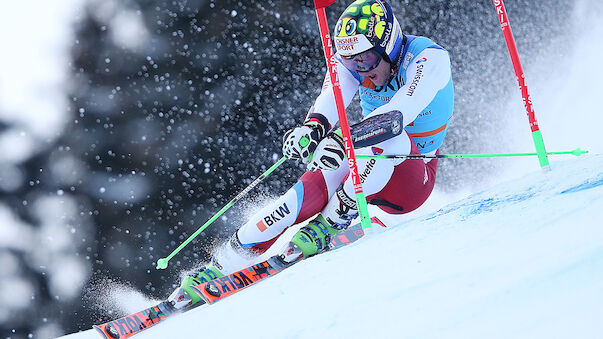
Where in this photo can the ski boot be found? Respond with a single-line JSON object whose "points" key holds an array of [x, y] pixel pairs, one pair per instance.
{"points": [[185, 296], [315, 237], [225, 260], [199, 276], [337, 215]]}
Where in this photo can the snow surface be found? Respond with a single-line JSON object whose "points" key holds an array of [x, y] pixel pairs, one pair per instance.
{"points": [[521, 259]]}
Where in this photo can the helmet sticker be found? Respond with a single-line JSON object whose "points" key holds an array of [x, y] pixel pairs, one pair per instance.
{"points": [[377, 9], [350, 27], [372, 22], [370, 27], [379, 29], [360, 17], [388, 33], [346, 27]]}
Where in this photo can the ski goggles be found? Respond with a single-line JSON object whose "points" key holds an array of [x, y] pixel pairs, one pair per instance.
{"points": [[362, 62]]}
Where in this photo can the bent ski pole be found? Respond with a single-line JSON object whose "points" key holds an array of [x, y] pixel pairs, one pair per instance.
{"points": [[577, 152], [163, 262], [327, 47]]}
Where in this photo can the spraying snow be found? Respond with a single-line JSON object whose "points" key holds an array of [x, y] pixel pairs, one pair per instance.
{"points": [[521, 259]]}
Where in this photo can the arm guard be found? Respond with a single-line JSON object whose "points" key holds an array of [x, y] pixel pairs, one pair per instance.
{"points": [[376, 129]]}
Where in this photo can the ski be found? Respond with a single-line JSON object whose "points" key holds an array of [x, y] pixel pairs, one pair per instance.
{"points": [[227, 285], [218, 289], [136, 322]]}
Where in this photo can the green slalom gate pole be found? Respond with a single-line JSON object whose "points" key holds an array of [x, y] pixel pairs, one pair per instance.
{"points": [[327, 47], [163, 262], [577, 152]]}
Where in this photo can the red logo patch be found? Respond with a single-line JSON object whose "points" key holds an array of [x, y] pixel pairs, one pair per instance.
{"points": [[261, 226], [376, 150]]}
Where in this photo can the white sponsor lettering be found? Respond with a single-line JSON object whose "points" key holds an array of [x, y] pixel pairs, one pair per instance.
{"points": [[370, 134], [500, 12], [388, 33]]}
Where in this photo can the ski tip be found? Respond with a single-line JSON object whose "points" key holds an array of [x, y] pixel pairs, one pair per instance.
{"points": [[377, 222], [100, 331]]}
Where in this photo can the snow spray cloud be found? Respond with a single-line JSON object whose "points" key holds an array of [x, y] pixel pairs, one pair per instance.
{"points": [[115, 298], [565, 78]]}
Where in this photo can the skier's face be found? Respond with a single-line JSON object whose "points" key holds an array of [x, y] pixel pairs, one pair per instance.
{"points": [[380, 74]]}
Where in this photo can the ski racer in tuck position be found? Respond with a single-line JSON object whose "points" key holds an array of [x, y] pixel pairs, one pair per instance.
{"points": [[406, 94]]}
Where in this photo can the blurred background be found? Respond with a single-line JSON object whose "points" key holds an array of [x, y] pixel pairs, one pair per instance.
{"points": [[124, 125]]}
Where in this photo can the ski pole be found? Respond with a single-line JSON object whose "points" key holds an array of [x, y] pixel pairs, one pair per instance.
{"points": [[327, 47], [521, 79], [163, 262], [577, 152]]}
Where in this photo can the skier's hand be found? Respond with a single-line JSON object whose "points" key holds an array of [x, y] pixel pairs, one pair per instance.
{"points": [[300, 142], [329, 154]]}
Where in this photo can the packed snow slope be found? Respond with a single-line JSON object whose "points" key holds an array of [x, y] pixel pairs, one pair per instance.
{"points": [[522, 259]]}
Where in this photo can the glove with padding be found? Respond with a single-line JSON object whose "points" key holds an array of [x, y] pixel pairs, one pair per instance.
{"points": [[329, 154], [300, 142]]}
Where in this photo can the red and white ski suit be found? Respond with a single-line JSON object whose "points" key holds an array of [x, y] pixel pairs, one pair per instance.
{"points": [[422, 90]]}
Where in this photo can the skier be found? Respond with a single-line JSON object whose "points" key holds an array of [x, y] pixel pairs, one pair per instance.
{"points": [[402, 80]]}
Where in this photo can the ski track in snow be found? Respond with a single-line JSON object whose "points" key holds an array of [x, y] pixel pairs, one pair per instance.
{"points": [[521, 259]]}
